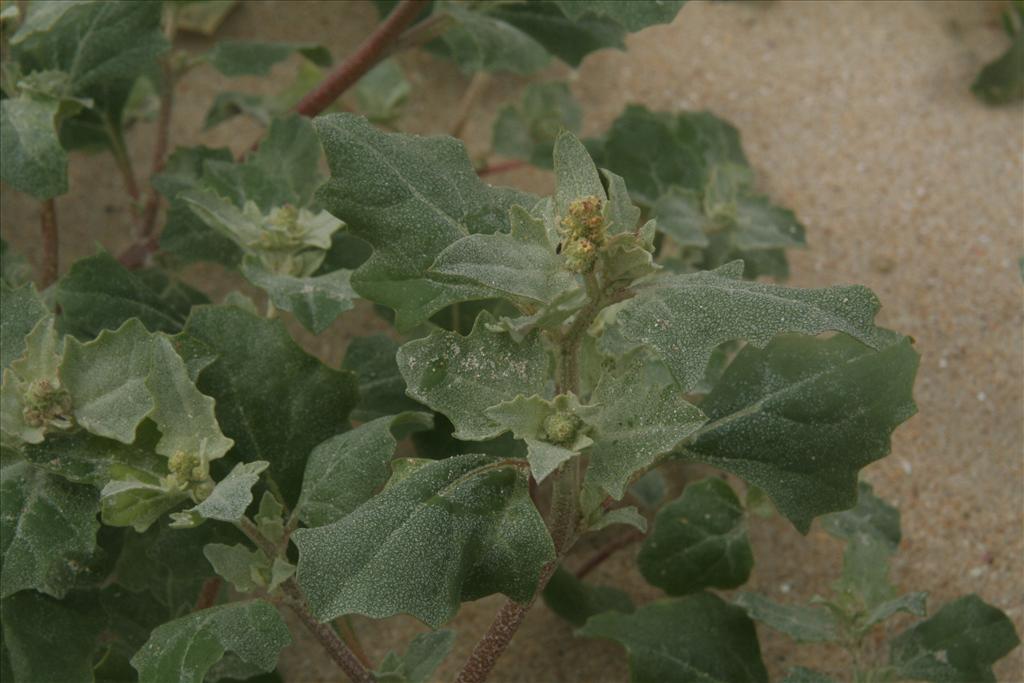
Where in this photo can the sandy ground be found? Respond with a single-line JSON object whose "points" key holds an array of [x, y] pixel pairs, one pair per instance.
{"points": [[856, 115]]}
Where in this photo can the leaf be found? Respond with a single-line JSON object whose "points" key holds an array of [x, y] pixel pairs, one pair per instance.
{"points": [[85, 458], [697, 638], [346, 470], [449, 531], [521, 266], [553, 430], [684, 317], [247, 570], [185, 649], [632, 15], [576, 601], [315, 301], [959, 643], [137, 501], [249, 58], [204, 17], [681, 217], [33, 160], [817, 409], [47, 530], [480, 41], [804, 623], [641, 415], [273, 399], [15, 270], [699, 541], [382, 92], [21, 309], [381, 184], [528, 129], [98, 293], [48, 640], [229, 500], [628, 515], [871, 518], [265, 108], [424, 654], [576, 175], [381, 387], [463, 376], [1001, 81]]}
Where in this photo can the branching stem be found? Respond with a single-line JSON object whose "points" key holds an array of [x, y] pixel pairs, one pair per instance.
{"points": [[604, 553], [297, 602], [51, 242], [371, 51]]}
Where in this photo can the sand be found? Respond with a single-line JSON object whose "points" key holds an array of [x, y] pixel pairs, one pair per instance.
{"points": [[857, 116]]}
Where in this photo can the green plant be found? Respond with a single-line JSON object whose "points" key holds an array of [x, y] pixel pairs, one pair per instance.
{"points": [[555, 352]]}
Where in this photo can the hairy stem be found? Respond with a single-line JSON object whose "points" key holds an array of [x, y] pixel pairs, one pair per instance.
{"points": [[469, 99], [296, 600], [51, 246], [351, 638], [362, 60]]}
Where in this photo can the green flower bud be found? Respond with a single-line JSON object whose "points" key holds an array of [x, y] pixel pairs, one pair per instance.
{"points": [[561, 428], [47, 404]]}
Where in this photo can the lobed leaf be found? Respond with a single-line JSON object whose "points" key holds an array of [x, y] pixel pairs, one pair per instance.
{"points": [[463, 376], [528, 129], [315, 301], [47, 640], [576, 601], [21, 309], [804, 623], [31, 157], [446, 532], [801, 417], [381, 387], [249, 58], [229, 499]]}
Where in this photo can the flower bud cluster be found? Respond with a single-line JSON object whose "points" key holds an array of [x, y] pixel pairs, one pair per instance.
{"points": [[561, 428], [188, 471], [583, 234], [47, 404]]}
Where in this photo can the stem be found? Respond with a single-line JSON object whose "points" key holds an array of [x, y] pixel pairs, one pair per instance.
{"points": [[362, 60], [500, 167], [468, 101], [296, 600], [163, 131], [606, 552], [124, 165], [208, 593], [351, 638], [51, 245]]}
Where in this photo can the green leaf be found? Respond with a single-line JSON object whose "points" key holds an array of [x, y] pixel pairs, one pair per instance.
{"points": [[267, 107], [248, 58], [634, 15], [315, 301], [382, 92], [960, 643], [521, 266], [424, 654], [1001, 81], [641, 415], [528, 129], [229, 500], [185, 649], [98, 293], [553, 430], [870, 518], [48, 640], [85, 458], [47, 530], [829, 406], [628, 515], [346, 470], [576, 601], [480, 41], [21, 309], [681, 217], [698, 639], [138, 500], [699, 541], [575, 174], [684, 317], [463, 376], [381, 184], [236, 563], [381, 387], [449, 531], [204, 17], [33, 160], [804, 623], [273, 399], [15, 270]]}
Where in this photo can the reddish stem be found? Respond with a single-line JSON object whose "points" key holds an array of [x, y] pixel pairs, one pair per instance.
{"points": [[606, 552], [163, 134], [51, 246], [500, 167], [362, 60], [208, 593]]}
